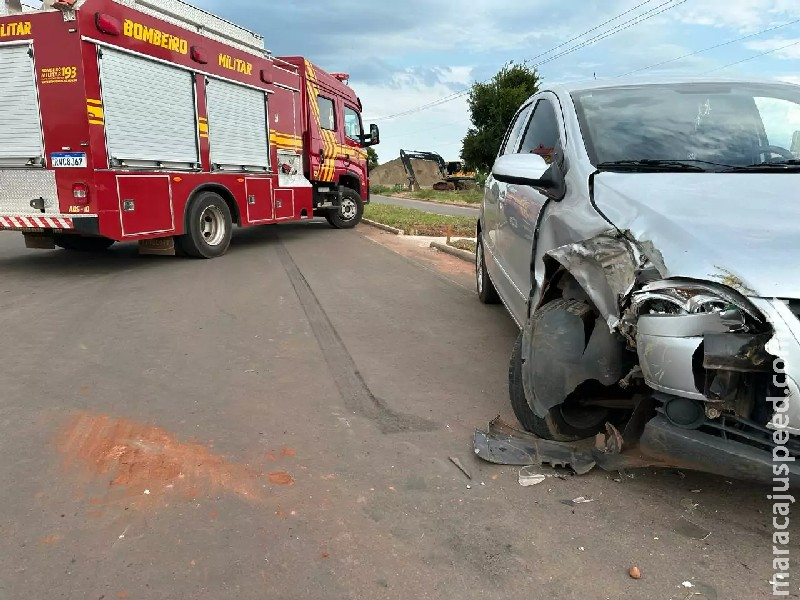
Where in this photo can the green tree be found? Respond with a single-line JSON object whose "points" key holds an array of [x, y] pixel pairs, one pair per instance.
{"points": [[372, 158], [492, 105]]}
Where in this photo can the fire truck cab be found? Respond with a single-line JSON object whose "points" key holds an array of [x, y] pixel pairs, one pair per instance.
{"points": [[154, 121]]}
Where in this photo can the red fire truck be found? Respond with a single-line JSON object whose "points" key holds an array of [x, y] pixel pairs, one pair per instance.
{"points": [[158, 122]]}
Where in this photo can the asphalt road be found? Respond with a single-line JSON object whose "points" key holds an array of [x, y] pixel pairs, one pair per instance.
{"points": [[432, 207], [277, 424]]}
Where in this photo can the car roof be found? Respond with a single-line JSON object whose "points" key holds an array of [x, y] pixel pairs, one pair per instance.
{"points": [[569, 87]]}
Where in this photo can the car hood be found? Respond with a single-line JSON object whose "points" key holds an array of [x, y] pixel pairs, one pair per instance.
{"points": [[739, 229]]}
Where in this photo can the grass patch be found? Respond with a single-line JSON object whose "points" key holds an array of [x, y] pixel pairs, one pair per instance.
{"points": [[461, 197], [383, 190], [418, 222], [468, 245]]}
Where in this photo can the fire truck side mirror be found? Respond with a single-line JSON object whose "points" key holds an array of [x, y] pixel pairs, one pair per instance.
{"points": [[373, 138]]}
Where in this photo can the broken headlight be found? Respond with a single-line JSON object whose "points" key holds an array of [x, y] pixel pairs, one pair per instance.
{"points": [[687, 297]]}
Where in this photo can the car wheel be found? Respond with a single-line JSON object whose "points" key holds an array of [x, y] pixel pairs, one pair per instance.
{"points": [[566, 422], [349, 212], [209, 227], [83, 244], [487, 293]]}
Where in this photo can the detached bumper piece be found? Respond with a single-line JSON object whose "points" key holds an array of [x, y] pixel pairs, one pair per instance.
{"points": [[503, 445], [661, 445]]}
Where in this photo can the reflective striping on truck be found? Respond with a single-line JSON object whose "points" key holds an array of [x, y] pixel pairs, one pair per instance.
{"points": [[326, 170], [35, 222]]}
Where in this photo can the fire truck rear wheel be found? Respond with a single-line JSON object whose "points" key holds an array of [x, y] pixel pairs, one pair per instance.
{"points": [[209, 227], [82, 244], [349, 213]]}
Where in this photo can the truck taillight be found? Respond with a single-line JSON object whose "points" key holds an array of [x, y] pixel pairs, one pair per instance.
{"points": [[80, 193], [108, 24]]}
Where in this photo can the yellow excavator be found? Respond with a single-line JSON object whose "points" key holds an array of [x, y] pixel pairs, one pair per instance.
{"points": [[454, 176]]}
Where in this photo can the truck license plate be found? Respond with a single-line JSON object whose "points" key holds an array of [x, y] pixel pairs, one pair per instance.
{"points": [[67, 159]]}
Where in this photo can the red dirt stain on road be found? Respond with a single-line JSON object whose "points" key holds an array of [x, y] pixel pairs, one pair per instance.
{"points": [[51, 539], [271, 456], [288, 452], [281, 478], [149, 461]]}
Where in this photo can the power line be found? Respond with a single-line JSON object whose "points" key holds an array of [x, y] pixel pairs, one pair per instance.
{"points": [[626, 25], [569, 41], [615, 30], [738, 62], [728, 43]]}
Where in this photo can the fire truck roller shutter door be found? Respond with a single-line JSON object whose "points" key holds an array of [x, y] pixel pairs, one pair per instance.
{"points": [[237, 126], [149, 110], [20, 129]]}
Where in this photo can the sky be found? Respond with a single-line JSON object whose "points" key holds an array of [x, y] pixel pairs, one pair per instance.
{"points": [[404, 54]]}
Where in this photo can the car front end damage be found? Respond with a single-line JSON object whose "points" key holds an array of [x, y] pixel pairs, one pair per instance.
{"points": [[719, 367]]}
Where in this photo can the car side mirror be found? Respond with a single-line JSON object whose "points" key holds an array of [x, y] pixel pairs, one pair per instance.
{"points": [[373, 138], [521, 169], [530, 170]]}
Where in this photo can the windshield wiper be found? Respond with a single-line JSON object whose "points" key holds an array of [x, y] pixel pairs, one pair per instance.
{"points": [[652, 164], [785, 166]]}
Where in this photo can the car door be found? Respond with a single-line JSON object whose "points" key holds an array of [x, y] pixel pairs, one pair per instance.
{"points": [[494, 192], [519, 207]]}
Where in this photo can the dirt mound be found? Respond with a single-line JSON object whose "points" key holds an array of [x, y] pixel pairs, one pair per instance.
{"points": [[392, 173]]}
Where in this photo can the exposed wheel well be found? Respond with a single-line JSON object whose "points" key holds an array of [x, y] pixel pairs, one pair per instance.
{"points": [[560, 284], [352, 182], [224, 193]]}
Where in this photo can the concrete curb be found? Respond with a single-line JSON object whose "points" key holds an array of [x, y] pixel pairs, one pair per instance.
{"points": [[393, 230], [462, 254]]}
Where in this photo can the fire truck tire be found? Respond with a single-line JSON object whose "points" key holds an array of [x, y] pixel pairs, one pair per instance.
{"points": [[83, 244], [349, 214], [209, 227]]}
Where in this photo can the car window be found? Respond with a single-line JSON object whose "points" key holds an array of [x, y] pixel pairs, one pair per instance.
{"points": [[352, 124], [542, 133], [327, 114], [781, 121], [730, 124], [511, 142]]}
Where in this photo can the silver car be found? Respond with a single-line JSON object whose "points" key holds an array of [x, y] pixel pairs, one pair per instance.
{"points": [[646, 239]]}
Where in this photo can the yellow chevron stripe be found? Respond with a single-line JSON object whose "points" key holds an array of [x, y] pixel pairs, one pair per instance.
{"points": [[93, 101], [95, 112], [95, 122], [284, 137]]}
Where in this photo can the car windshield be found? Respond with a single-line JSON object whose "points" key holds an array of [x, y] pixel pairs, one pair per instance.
{"points": [[705, 124]]}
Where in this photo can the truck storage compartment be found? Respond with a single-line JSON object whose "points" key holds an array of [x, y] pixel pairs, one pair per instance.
{"points": [[237, 124], [23, 178], [20, 126], [150, 112]]}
